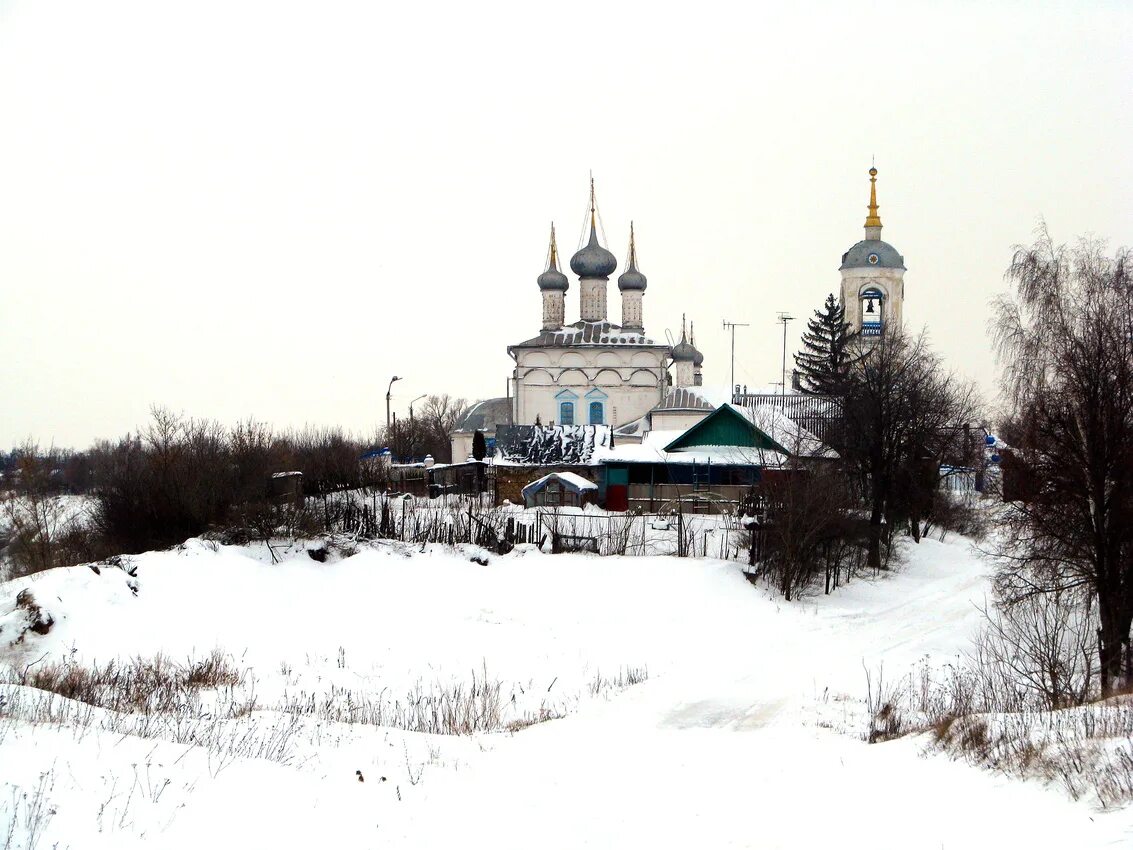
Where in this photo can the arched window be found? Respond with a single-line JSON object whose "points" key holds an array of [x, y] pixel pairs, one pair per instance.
{"points": [[596, 405], [873, 308], [566, 400]]}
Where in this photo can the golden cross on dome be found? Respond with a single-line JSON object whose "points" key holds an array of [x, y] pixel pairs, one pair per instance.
{"points": [[873, 220]]}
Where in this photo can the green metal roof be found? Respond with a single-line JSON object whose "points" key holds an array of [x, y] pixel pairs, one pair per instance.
{"points": [[725, 426]]}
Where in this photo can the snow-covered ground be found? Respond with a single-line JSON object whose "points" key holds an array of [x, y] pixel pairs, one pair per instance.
{"points": [[746, 733]]}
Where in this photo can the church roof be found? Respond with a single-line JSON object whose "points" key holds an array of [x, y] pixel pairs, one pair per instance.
{"points": [[858, 256], [686, 398], [486, 415], [590, 333]]}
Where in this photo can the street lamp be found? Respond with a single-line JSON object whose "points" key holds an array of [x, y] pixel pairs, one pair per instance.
{"points": [[389, 395], [414, 402]]}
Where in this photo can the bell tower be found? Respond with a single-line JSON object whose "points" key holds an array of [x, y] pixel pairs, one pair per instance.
{"points": [[873, 278]]}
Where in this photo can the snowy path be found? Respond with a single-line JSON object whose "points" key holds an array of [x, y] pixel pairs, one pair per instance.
{"points": [[701, 758]]}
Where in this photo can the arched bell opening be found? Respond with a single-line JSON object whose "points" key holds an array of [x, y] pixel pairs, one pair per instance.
{"points": [[873, 311]]}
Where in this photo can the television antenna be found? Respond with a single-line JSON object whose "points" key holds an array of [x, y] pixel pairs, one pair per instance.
{"points": [[784, 318], [732, 327]]}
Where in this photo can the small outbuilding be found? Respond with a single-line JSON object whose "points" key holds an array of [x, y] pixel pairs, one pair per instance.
{"points": [[287, 488], [560, 489]]}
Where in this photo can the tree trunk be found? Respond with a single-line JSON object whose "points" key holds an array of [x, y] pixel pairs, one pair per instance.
{"points": [[1114, 657], [873, 558]]}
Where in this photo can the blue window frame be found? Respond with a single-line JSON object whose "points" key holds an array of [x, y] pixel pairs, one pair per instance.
{"points": [[566, 400], [873, 305], [596, 406]]}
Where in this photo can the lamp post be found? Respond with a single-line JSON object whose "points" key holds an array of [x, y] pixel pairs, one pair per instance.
{"points": [[389, 395], [413, 403]]}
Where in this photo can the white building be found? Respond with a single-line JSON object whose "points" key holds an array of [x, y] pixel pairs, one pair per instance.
{"points": [[873, 277]]}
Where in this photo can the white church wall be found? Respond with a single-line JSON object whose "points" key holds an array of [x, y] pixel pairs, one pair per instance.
{"points": [[623, 404], [676, 420], [461, 447], [630, 388]]}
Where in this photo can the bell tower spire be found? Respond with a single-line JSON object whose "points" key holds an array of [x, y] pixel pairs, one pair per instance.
{"points": [[873, 220]]}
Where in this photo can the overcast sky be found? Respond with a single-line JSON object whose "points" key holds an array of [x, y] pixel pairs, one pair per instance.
{"points": [[267, 209]]}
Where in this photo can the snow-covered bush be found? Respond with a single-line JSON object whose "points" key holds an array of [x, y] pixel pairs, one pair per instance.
{"points": [[1022, 701]]}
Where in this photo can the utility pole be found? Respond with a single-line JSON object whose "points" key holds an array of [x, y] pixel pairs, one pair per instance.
{"points": [[732, 326], [389, 395], [784, 318]]}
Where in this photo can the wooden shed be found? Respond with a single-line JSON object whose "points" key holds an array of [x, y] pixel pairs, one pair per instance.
{"points": [[560, 489]]}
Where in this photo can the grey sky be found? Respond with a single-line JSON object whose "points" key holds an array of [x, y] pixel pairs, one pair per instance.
{"points": [[268, 209]]}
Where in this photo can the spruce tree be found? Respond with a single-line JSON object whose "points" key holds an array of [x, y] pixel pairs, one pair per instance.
{"points": [[479, 446], [826, 356]]}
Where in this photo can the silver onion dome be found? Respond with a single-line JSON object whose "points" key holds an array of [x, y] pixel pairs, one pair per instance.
{"points": [[592, 260], [631, 278], [552, 279]]}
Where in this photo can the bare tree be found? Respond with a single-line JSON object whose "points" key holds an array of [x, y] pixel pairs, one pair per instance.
{"points": [[808, 524], [1065, 340], [37, 520], [902, 414], [441, 414]]}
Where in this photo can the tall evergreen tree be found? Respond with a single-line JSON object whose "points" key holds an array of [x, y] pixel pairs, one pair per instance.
{"points": [[826, 356], [479, 445]]}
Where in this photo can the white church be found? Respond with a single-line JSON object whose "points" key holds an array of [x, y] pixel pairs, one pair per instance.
{"points": [[595, 372], [592, 371]]}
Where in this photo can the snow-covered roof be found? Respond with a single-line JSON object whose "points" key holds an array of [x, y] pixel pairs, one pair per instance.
{"points": [[797, 440], [486, 415], [652, 450], [637, 426], [785, 431], [589, 333], [694, 398], [550, 444], [570, 479]]}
